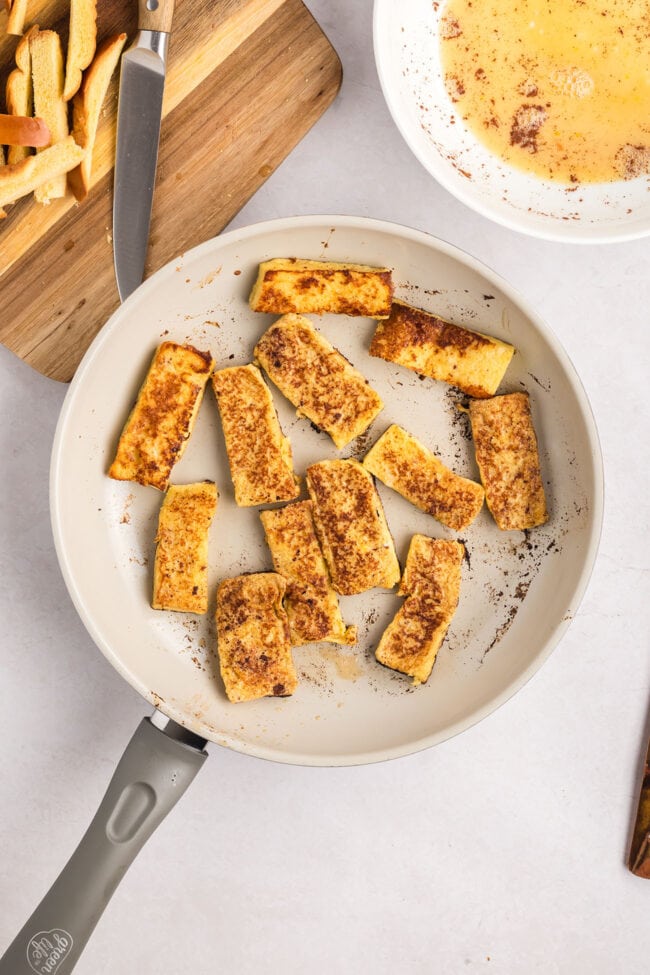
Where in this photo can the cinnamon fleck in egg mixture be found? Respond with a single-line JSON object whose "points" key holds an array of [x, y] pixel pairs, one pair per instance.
{"points": [[559, 88]]}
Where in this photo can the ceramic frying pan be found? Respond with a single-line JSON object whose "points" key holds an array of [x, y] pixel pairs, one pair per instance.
{"points": [[519, 590]]}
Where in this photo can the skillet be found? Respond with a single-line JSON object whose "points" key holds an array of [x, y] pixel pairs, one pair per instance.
{"points": [[519, 593]]}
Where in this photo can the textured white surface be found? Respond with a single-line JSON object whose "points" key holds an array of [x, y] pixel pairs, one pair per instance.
{"points": [[502, 850]]}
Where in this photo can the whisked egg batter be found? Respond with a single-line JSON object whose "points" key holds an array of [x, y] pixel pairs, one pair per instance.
{"points": [[559, 88]]}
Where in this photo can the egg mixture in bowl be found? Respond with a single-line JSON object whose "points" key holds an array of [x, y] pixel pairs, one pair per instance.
{"points": [[534, 112]]}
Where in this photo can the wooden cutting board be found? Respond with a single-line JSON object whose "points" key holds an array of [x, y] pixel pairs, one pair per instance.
{"points": [[246, 80]]}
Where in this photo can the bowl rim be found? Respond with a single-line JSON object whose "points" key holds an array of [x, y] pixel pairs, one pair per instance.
{"points": [[571, 233]]}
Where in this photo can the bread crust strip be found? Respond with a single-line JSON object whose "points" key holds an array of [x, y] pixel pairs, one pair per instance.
{"points": [[47, 79], [311, 603], [24, 177], [158, 428], [253, 638], [433, 347], [351, 527], [508, 460], [317, 379], [259, 455], [19, 92], [82, 40], [180, 575], [290, 284], [431, 584], [86, 108], [17, 14], [408, 467]]}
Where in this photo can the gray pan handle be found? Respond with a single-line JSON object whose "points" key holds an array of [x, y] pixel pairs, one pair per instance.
{"points": [[159, 763]]}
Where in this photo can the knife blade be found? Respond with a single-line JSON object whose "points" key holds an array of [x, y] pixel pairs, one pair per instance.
{"points": [[142, 83]]}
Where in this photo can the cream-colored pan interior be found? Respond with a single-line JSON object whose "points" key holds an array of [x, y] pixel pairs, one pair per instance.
{"points": [[519, 592]]}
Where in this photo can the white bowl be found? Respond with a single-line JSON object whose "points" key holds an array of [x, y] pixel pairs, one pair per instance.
{"points": [[406, 38]]}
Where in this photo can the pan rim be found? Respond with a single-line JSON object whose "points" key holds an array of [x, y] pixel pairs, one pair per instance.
{"points": [[257, 749]]}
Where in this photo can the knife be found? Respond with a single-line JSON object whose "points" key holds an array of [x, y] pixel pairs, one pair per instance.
{"points": [[639, 861], [142, 82]]}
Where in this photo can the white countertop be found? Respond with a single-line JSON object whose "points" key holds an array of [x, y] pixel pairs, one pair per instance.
{"points": [[502, 850]]}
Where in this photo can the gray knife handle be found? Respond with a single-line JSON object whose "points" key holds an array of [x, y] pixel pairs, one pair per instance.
{"points": [[150, 778]]}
